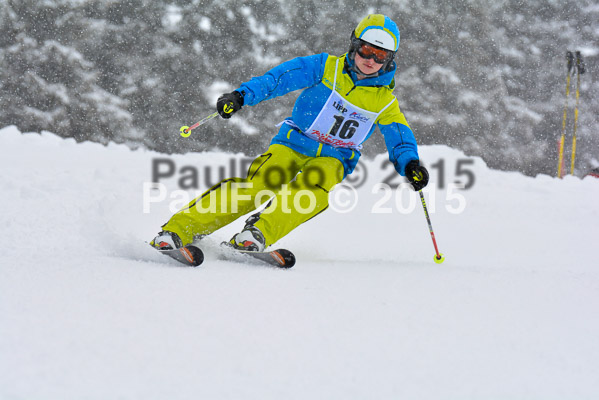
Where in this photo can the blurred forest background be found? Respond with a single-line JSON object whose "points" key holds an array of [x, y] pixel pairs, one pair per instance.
{"points": [[484, 76]]}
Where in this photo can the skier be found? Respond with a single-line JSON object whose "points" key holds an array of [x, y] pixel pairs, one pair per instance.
{"points": [[342, 101]]}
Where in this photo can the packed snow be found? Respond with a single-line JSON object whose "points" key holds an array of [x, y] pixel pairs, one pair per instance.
{"points": [[89, 311]]}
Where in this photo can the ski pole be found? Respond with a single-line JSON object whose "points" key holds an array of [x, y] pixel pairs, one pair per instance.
{"points": [[186, 130], [439, 258], [570, 59], [580, 69]]}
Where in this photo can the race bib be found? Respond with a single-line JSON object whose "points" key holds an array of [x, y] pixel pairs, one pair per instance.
{"points": [[342, 124]]}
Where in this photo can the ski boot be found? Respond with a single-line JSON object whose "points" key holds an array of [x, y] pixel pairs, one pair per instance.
{"points": [[166, 241], [250, 242], [249, 239], [169, 243]]}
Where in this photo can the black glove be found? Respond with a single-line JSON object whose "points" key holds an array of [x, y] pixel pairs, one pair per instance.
{"points": [[229, 103], [417, 175]]}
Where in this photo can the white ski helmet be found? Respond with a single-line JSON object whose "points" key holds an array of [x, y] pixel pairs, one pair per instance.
{"points": [[379, 31]]}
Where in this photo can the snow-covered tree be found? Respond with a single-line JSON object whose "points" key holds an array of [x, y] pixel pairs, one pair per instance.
{"points": [[485, 76]]}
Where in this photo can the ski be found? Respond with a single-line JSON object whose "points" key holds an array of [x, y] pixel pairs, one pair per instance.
{"points": [[281, 258], [189, 255], [193, 256]]}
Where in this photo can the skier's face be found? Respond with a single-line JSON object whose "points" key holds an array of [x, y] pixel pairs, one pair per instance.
{"points": [[367, 65]]}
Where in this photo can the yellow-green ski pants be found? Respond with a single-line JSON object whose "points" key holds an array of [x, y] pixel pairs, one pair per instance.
{"points": [[270, 176]]}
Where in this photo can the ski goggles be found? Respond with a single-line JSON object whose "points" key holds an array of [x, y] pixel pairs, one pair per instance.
{"points": [[368, 51]]}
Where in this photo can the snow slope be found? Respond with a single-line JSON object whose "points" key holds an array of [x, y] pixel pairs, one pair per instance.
{"points": [[89, 311]]}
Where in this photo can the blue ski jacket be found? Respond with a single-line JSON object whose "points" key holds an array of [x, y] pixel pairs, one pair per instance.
{"points": [[316, 74]]}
